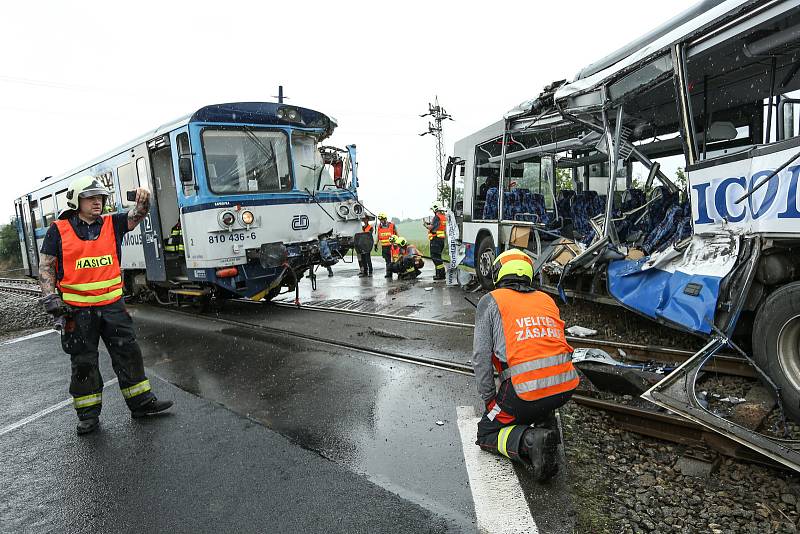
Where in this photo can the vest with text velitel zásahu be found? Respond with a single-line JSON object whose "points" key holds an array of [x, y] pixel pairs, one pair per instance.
{"points": [[538, 355], [92, 275]]}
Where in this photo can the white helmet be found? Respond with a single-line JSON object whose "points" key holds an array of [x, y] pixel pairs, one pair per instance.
{"points": [[436, 207], [82, 187]]}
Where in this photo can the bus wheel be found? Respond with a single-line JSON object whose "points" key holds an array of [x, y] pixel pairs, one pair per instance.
{"points": [[776, 343], [484, 262]]}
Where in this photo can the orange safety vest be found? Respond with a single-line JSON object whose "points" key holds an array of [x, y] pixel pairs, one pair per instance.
{"points": [[367, 228], [92, 275], [439, 232], [394, 253], [539, 357], [384, 233]]}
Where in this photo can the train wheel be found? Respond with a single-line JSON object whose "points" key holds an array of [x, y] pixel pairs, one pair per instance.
{"points": [[484, 261], [776, 343]]}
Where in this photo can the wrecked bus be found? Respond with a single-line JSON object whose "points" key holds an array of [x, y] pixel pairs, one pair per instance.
{"points": [[663, 178]]}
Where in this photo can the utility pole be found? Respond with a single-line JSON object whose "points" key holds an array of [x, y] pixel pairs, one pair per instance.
{"points": [[439, 115]]}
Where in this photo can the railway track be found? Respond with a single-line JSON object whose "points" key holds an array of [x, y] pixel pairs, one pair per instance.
{"points": [[646, 421], [20, 286], [722, 363]]}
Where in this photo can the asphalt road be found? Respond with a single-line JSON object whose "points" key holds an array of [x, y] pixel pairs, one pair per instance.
{"points": [[202, 468]]}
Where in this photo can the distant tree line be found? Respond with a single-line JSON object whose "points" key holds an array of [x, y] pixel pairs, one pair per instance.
{"points": [[10, 251]]}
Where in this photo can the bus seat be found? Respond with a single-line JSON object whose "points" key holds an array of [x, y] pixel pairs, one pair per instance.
{"points": [[563, 202], [666, 231], [580, 207], [539, 209], [511, 204], [490, 208]]}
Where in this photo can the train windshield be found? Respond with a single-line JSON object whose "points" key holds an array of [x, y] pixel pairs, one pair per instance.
{"points": [[308, 163], [246, 161]]}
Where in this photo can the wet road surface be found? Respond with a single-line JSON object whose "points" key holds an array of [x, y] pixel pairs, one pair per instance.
{"points": [[271, 432], [201, 469]]}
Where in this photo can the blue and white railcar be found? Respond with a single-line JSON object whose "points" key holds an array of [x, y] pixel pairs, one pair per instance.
{"points": [[256, 198]]}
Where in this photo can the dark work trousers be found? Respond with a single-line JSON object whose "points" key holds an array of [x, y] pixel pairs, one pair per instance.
{"points": [[437, 246], [386, 252], [366, 263], [516, 411], [82, 333]]}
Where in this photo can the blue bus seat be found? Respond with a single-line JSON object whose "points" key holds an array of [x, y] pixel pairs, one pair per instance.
{"points": [[490, 208]]}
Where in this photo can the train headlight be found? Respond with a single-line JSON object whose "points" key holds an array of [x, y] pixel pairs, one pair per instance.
{"points": [[289, 114], [343, 210], [358, 209], [227, 219], [248, 217]]}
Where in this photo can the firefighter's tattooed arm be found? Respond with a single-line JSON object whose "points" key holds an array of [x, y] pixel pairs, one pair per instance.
{"points": [[140, 210], [47, 274]]}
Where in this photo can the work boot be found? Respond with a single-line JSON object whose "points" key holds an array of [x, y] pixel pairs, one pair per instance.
{"points": [[85, 426], [153, 406], [388, 275], [540, 448], [362, 274]]}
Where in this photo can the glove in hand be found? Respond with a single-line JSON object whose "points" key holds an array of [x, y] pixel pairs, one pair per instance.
{"points": [[54, 305]]}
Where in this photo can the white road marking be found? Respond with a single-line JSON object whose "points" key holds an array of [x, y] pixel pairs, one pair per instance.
{"points": [[50, 409], [500, 505], [25, 338]]}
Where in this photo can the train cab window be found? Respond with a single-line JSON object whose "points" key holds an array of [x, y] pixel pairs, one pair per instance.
{"points": [[246, 161], [128, 181], [48, 210], [35, 215], [487, 179], [308, 163]]}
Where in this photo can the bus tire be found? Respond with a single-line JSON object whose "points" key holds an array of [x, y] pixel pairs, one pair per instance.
{"points": [[776, 343], [483, 262]]}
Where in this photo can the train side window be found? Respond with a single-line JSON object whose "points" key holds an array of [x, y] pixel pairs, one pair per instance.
{"points": [[128, 181], [35, 215], [61, 200], [48, 210]]}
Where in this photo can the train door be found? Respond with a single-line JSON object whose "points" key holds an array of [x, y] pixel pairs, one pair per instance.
{"points": [[26, 218], [151, 225]]}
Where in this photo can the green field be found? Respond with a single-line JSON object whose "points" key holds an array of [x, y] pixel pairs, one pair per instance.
{"points": [[416, 234]]}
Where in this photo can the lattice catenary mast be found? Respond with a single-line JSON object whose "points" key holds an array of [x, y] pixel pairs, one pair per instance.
{"points": [[439, 115]]}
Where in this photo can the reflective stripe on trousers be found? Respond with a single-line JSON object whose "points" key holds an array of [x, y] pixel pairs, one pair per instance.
{"points": [[502, 440], [136, 389], [87, 400], [533, 365]]}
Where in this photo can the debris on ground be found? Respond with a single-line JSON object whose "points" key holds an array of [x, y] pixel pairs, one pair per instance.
{"points": [[580, 331]]}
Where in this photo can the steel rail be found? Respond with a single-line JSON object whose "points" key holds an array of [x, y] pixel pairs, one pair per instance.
{"points": [[725, 364], [643, 421]]}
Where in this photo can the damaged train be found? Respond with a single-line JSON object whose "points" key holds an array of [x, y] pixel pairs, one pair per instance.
{"points": [[245, 200], [663, 178]]}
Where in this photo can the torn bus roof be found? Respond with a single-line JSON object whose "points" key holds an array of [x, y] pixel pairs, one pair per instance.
{"points": [[660, 45]]}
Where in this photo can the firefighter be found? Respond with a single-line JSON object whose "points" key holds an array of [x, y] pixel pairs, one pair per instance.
{"points": [[174, 243], [365, 259], [519, 333], [385, 231], [436, 235], [406, 259], [80, 277]]}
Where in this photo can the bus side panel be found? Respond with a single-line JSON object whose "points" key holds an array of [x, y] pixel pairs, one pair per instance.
{"points": [[772, 209], [678, 288]]}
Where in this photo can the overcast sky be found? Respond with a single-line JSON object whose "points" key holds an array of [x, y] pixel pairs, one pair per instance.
{"points": [[80, 78]]}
